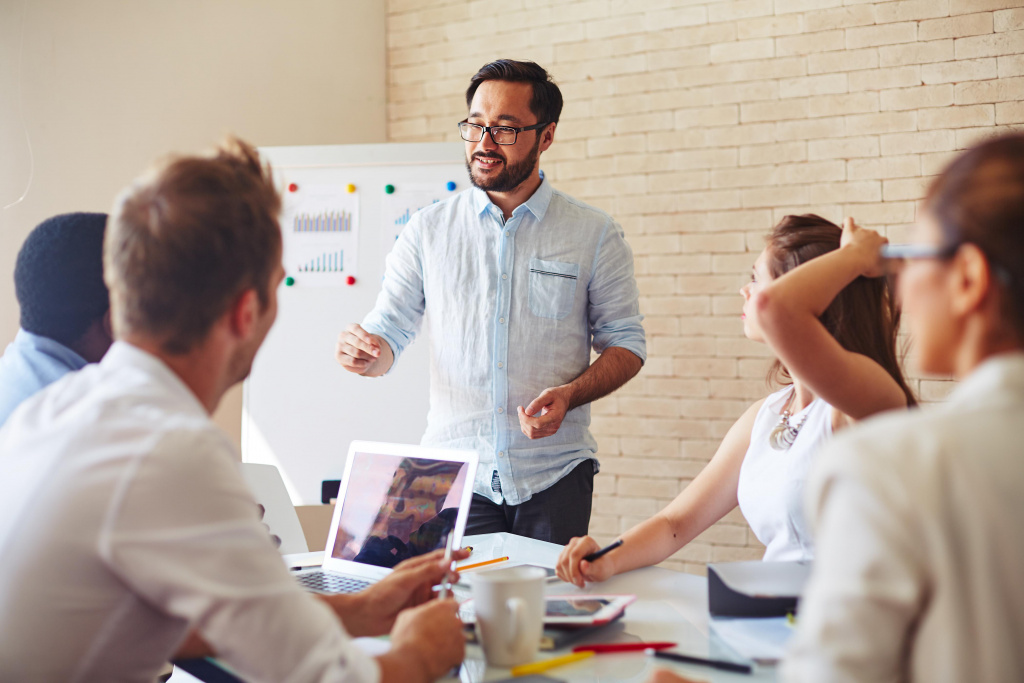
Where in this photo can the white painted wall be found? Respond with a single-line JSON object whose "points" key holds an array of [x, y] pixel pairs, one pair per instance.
{"points": [[103, 87]]}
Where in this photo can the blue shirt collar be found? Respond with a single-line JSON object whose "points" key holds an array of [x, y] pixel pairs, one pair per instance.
{"points": [[537, 204], [49, 347]]}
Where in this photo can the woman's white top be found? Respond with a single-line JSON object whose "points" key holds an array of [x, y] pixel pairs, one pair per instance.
{"points": [[771, 484], [919, 521]]}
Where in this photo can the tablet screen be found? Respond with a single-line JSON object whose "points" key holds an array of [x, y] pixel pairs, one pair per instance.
{"points": [[571, 610], [584, 607], [547, 570]]}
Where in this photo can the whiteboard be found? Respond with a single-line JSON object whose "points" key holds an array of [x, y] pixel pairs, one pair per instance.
{"points": [[301, 409]]}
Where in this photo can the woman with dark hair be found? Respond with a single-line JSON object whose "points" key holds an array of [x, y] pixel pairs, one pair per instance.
{"points": [[817, 300], [919, 516]]}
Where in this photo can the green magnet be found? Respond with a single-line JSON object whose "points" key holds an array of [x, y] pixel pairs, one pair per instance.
{"points": [[389, 189], [289, 281]]}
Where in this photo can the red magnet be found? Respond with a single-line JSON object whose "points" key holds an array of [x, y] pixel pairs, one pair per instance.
{"points": [[350, 280], [293, 188]]}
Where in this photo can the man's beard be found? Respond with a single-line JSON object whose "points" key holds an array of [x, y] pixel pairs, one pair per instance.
{"points": [[511, 177]]}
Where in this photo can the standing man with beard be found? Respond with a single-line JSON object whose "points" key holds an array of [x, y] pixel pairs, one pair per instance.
{"points": [[521, 281]]}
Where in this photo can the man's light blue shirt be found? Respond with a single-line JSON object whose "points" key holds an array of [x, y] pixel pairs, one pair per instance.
{"points": [[30, 363], [514, 308]]}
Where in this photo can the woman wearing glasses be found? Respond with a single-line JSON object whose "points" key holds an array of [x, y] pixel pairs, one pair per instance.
{"points": [[919, 516], [817, 300]]}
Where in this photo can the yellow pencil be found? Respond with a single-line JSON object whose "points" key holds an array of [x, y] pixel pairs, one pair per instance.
{"points": [[482, 564], [541, 667]]}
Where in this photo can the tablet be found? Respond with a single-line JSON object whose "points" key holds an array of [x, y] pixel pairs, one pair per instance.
{"points": [[571, 610], [552, 577]]}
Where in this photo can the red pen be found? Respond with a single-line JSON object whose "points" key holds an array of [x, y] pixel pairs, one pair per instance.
{"points": [[598, 648]]}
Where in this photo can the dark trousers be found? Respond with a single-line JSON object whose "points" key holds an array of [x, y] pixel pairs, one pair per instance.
{"points": [[555, 514]]}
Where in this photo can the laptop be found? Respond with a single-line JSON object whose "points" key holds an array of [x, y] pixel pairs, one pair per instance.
{"points": [[395, 502]]}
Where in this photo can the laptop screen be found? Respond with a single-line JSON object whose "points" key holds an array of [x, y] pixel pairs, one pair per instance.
{"points": [[396, 507]]}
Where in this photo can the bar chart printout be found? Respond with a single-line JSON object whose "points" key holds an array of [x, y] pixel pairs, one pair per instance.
{"points": [[325, 221], [320, 226], [404, 217], [332, 262], [400, 206]]}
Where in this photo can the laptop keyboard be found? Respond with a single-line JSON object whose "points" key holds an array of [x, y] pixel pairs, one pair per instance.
{"points": [[324, 582]]}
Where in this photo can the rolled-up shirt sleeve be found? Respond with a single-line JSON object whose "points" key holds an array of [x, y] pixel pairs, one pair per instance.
{"points": [[182, 530], [397, 315], [615, 318]]}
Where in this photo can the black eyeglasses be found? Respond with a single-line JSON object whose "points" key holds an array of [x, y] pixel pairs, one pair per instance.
{"points": [[502, 135]]}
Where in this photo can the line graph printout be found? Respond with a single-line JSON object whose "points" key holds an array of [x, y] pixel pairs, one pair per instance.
{"points": [[400, 206], [320, 226]]}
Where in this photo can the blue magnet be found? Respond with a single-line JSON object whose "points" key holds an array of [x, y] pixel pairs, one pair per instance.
{"points": [[451, 185]]}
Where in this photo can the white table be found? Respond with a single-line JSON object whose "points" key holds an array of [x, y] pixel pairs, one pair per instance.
{"points": [[670, 606]]}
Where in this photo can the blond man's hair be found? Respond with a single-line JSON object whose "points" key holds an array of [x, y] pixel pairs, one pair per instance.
{"points": [[187, 239]]}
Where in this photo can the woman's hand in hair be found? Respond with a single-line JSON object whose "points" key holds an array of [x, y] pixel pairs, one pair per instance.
{"points": [[867, 244]]}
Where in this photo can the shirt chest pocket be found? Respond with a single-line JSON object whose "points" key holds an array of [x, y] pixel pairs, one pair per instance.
{"points": [[552, 287]]}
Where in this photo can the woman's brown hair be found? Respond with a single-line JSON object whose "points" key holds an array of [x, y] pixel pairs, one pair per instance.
{"points": [[864, 317], [979, 198]]}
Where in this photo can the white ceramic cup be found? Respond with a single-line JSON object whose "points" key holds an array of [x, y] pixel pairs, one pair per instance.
{"points": [[509, 605]]}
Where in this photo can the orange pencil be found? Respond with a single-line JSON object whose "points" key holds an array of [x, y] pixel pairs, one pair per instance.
{"points": [[481, 564]]}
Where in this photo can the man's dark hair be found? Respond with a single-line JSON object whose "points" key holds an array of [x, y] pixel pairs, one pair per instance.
{"points": [[187, 240], [58, 277], [547, 98]]}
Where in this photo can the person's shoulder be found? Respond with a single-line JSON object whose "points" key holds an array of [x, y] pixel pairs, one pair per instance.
{"points": [[47, 401], [897, 444], [440, 209], [193, 446], [434, 222], [591, 214], [752, 411], [21, 372], [103, 403], [17, 384]]}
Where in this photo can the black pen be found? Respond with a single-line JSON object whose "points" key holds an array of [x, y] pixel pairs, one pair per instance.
{"points": [[713, 663], [601, 553]]}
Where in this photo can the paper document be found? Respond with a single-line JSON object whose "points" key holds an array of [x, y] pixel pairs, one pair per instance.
{"points": [[760, 639], [320, 228]]}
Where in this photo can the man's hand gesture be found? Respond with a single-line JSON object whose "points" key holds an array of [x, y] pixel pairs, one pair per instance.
{"points": [[363, 353], [545, 413]]}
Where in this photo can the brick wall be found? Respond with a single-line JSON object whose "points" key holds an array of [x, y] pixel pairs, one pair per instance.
{"points": [[698, 125]]}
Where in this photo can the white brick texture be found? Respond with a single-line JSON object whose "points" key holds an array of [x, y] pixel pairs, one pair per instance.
{"points": [[697, 124]]}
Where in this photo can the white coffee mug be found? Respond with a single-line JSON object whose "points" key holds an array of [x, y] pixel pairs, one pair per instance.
{"points": [[509, 606]]}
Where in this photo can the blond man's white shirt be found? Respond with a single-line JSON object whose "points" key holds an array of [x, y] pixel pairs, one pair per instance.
{"points": [[124, 522]]}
